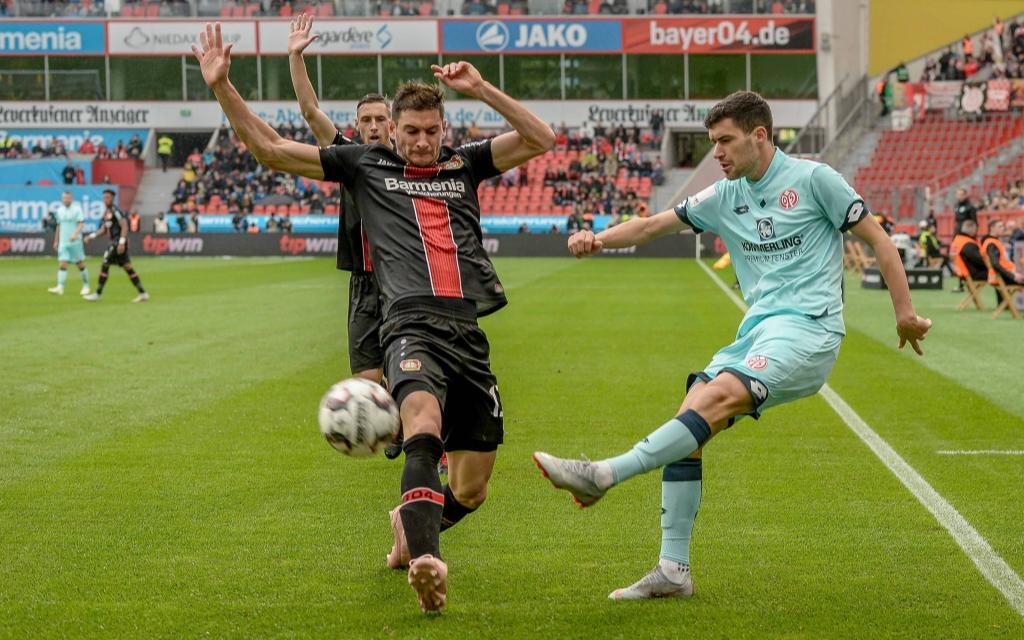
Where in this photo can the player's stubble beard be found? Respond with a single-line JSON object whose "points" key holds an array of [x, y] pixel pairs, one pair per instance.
{"points": [[408, 157]]}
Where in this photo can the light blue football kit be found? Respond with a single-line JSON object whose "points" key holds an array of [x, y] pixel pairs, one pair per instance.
{"points": [[67, 220], [785, 235]]}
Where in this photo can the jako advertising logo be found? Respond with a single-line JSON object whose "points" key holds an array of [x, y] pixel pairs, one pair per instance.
{"points": [[22, 246], [160, 246], [531, 35], [293, 246], [492, 36]]}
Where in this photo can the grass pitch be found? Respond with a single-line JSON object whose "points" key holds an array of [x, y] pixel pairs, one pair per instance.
{"points": [[161, 473]]}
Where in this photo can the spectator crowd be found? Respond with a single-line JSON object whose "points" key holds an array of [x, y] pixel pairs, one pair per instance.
{"points": [[12, 149], [227, 174], [591, 182], [324, 8], [225, 178], [997, 54]]}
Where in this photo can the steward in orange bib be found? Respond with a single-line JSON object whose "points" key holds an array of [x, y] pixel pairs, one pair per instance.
{"points": [[1002, 266], [965, 252]]}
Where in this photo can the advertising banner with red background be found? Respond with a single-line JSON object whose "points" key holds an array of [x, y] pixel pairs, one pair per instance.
{"points": [[727, 34]]}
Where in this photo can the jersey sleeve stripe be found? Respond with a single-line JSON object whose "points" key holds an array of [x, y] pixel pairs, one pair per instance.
{"points": [[854, 214], [680, 210]]}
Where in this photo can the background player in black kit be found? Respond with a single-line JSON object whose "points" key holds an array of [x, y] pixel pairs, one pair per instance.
{"points": [[422, 217], [115, 223], [374, 124]]}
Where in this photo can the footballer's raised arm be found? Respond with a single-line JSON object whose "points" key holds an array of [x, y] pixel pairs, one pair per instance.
{"points": [[298, 39], [269, 148], [530, 137]]}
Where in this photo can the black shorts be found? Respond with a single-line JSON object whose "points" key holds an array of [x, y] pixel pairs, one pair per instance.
{"points": [[364, 318], [111, 256], [439, 348]]}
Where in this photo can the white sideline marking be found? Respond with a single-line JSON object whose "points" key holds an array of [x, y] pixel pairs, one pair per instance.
{"points": [[982, 452], [989, 563]]}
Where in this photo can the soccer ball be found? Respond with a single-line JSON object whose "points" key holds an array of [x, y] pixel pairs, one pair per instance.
{"points": [[358, 417]]}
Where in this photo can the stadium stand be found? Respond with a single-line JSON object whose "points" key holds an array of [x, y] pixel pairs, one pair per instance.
{"points": [[151, 9], [602, 175], [941, 149]]}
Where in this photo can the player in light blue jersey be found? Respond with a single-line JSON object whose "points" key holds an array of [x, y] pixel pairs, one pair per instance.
{"points": [[782, 220], [68, 243]]}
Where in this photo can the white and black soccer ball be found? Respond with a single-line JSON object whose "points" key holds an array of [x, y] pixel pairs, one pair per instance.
{"points": [[358, 417]]}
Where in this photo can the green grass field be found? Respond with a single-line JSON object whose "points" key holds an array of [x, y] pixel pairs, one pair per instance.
{"points": [[161, 472]]}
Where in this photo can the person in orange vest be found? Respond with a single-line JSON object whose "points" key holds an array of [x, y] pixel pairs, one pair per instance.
{"points": [[1002, 266], [134, 221], [968, 46], [965, 254]]}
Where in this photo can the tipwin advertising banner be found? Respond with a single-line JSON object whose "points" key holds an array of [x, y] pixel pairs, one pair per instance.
{"points": [[53, 38], [719, 35], [163, 37], [355, 37], [321, 245], [22, 209], [531, 36]]}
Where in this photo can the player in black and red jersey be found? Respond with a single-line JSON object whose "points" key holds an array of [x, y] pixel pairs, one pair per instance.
{"points": [[422, 217]]}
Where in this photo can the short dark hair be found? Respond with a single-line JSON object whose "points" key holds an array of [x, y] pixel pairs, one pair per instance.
{"points": [[110, 191], [373, 98], [747, 109], [418, 96]]}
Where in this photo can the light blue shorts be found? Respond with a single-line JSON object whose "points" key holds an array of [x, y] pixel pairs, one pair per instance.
{"points": [[780, 359], [71, 252]]}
